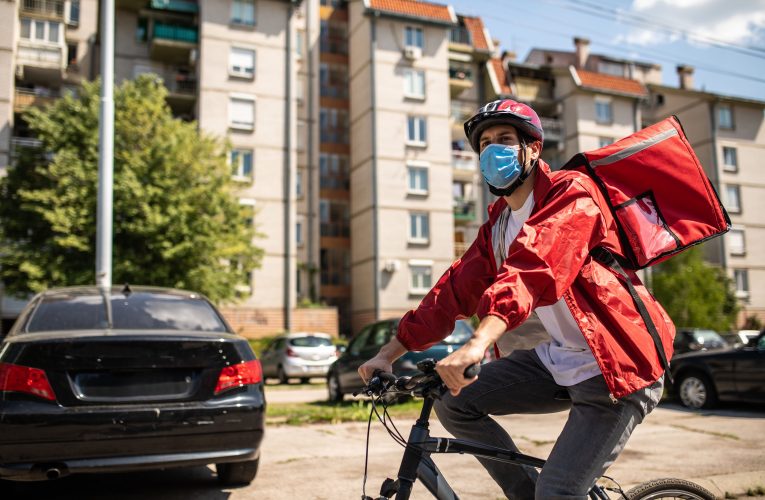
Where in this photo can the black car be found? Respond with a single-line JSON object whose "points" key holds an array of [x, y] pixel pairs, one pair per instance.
{"points": [[343, 377], [733, 374], [697, 339], [120, 379]]}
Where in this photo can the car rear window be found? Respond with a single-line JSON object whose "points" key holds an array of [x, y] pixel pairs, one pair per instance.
{"points": [[310, 341], [134, 311], [707, 336]]}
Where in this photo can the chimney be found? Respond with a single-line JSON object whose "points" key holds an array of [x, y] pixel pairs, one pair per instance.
{"points": [[582, 52], [508, 56], [685, 74]]}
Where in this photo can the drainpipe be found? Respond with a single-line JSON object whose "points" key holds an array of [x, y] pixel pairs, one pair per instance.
{"points": [[310, 167], [288, 229], [373, 99], [715, 175]]}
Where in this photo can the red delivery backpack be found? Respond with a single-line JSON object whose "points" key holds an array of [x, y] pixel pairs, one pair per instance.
{"points": [[660, 197]]}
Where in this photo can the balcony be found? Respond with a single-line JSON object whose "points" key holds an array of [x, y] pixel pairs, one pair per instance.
{"points": [[553, 129], [460, 247], [49, 9], [32, 97], [41, 61], [19, 144], [460, 79], [172, 43], [463, 165], [186, 6], [464, 210]]}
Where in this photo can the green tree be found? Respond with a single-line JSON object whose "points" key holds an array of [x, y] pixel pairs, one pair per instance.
{"points": [[177, 221], [694, 293]]}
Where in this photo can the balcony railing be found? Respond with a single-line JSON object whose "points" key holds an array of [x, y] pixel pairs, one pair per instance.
{"points": [[464, 210], [334, 44], [463, 160], [24, 143], [189, 6], [182, 84], [460, 247], [334, 230], [33, 97], [462, 74], [336, 91], [50, 8], [553, 129], [40, 54], [176, 33]]}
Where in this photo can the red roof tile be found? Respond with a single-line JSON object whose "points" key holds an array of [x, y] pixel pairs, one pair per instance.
{"points": [[475, 26], [499, 70], [611, 83], [413, 8]]}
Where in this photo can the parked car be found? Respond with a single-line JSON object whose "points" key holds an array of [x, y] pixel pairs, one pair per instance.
{"points": [[120, 379], [343, 377], [302, 355], [734, 374], [697, 339]]}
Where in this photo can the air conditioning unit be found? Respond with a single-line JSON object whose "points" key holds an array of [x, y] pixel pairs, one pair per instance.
{"points": [[391, 266], [412, 53]]}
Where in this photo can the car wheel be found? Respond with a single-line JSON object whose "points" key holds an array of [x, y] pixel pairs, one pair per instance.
{"points": [[237, 473], [696, 391], [305, 380], [282, 375], [333, 387]]}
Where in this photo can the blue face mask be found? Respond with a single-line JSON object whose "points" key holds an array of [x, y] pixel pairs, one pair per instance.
{"points": [[500, 166]]}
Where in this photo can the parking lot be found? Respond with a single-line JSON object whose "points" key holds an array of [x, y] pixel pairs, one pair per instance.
{"points": [[721, 449]]}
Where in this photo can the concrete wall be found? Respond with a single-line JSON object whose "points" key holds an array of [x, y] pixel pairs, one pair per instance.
{"points": [[263, 322], [9, 25]]}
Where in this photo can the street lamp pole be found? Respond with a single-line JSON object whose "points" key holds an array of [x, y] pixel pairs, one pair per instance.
{"points": [[105, 149]]}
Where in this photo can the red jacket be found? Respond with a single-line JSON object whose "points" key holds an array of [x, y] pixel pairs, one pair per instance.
{"points": [[549, 259]]}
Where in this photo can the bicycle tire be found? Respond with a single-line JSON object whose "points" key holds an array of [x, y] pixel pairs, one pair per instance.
{"points": [[669, 488]]}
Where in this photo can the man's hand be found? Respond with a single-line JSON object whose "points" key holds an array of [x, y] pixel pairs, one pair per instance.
{"points": [[452, 368], [383, 361]]}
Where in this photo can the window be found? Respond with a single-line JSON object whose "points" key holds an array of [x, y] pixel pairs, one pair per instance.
{"points": [[333, 124], [733, 198], [333, 81], [611, 68], [416, 131], [71, 56], [724, 116], [605, 141], [418, 179], [333, 172], [413, 37], [334, 218], [241, 62], [241, 164], [299, 232], [603, 111], [243, 12], [299, 42], [421, 272], [730, 159], [247, 206], [40, 30], [741, 279], [414, 83], [299, 184], [736, 242], [335, 266], [419, 230], [73, 18], [241, 112]]}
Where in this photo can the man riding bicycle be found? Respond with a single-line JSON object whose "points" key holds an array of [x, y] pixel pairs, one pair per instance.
{"points": [[533, 254]]}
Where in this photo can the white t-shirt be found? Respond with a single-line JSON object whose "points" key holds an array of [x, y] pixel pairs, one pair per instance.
{"points": [[566, 356]]}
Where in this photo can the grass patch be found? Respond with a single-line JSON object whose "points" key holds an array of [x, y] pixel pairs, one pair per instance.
{"points": [[755, 492], [325, 412]]}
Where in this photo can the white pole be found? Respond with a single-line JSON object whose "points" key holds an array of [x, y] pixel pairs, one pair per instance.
{"points": [[106, 149]]}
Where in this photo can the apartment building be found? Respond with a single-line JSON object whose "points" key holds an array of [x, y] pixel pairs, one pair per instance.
{"points": [[600, 99]]}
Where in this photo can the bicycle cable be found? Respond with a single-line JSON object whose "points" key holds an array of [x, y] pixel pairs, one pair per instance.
{"points": [[618, 488], [366, 457]]}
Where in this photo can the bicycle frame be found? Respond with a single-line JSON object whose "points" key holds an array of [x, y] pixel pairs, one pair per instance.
{"points": [[417, 464]]}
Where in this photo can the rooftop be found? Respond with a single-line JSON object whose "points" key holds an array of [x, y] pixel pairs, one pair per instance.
{"points": [[608, 83], [426, 11]]}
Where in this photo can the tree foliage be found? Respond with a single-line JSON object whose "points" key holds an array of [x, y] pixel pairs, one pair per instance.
{"points": [[694, 293], [177, 222]]}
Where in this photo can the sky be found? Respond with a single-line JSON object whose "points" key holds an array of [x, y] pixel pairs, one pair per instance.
{"points": [[724, 40]]}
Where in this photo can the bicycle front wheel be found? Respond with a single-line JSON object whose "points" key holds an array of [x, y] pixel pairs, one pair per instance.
{"points": [[669, 488]]}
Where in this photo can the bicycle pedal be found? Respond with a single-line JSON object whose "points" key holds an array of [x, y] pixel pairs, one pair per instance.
{"points": [[389, 488]]}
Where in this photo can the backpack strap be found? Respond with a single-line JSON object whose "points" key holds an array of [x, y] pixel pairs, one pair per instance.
{"points": [[605, 257]]}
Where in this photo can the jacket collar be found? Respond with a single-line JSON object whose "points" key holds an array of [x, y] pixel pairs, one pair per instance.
{"points": [[542, 184]]}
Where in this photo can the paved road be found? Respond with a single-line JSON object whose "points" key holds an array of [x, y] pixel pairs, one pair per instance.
{"points": [[721, 449]]}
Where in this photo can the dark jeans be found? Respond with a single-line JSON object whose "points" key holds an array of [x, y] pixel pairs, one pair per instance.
{"points": [[595, 433]]}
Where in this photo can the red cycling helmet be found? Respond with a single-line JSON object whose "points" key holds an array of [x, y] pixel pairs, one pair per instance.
{"points": [[503, 111]]}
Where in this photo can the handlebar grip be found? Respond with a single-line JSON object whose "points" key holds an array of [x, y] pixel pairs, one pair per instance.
{"points": [[384, 376], [472, 370]]}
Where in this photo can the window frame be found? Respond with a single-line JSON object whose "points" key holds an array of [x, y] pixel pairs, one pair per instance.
{"points": [[418, 37], [423, 168], [232, 72], [604, 101], [46, 24], [419, 232], [419, 76], [730, 167], [420, 264], [242, 22], [741, 285], [729, 205], [729, 109], [239, 175], [730, 236], [241, 126], [417, 126]]}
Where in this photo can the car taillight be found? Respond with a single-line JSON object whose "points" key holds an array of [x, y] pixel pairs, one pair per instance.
{"points": [[249, 372], [16, 378], [292, 354]]}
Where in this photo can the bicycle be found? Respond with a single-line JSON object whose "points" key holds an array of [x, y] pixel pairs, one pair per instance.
{"points": [[417, 463]]}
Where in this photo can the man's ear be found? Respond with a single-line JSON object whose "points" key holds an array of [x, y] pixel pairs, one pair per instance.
{"points": [[536, 149]]}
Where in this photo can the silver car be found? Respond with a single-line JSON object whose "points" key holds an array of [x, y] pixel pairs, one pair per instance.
{"points": [[298, 355]]}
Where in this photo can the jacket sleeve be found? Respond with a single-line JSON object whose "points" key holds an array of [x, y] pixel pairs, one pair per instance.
{"points": [[547, 254], [456, 294]]}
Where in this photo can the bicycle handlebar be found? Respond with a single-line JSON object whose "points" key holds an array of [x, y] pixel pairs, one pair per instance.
{"points": [[422, 384]]}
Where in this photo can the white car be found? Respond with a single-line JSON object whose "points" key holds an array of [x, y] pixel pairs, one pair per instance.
{"points": [[298, 355]]}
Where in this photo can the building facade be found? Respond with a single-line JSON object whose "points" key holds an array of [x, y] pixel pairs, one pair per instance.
{"points": [[345, 125]]}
